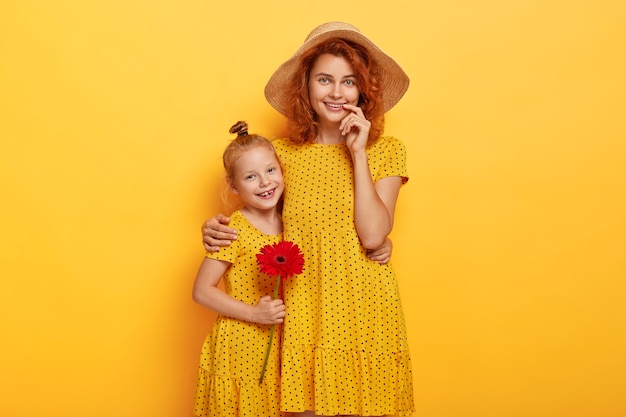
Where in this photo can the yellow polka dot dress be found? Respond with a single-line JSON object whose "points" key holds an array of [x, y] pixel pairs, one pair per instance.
{"points": [[345, 349], [233, 352]]}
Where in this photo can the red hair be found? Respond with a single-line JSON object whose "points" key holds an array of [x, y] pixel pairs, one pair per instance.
{"points": [[302, 120]]}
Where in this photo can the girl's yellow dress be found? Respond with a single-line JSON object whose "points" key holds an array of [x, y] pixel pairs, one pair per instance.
{"points": [[345, 348], [233, 352]]}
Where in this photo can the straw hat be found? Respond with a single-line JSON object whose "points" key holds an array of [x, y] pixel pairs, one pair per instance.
{"points": [[394, 80]]}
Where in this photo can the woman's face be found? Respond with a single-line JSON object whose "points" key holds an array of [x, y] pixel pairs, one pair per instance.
{"points": [[332, 83]]}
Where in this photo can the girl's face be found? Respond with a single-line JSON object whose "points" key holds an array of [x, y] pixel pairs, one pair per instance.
{"points": [[258, 179], [332, 84]]}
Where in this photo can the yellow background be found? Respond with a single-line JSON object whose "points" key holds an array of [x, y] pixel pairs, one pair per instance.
{"points": [[510, 237]]}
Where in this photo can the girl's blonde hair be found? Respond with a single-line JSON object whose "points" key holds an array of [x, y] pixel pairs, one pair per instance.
{"points": [[242, 143], [237, 147]]}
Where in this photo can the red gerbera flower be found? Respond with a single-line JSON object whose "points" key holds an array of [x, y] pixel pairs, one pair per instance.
{"points": [[283, 260]]}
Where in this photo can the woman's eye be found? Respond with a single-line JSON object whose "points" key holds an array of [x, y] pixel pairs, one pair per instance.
{"points": [[324, 80], [350, 82]]}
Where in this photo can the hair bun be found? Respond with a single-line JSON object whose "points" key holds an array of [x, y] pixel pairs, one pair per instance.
{"points": [[240, 128]]}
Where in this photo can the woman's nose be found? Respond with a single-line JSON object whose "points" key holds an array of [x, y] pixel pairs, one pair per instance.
{"points": [[336, 91]]}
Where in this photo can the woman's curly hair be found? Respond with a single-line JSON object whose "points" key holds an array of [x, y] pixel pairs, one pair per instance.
{"points": [[302, 120]]}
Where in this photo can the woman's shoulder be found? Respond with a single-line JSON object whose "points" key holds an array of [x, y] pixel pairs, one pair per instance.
{"points": [[282, 143], [390, 140], [388, 143], [287, 149]]}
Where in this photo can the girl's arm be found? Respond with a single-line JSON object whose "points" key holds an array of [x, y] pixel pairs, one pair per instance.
{"points": [[207, 294], [374, 204], [216, 234], [382, 255]]}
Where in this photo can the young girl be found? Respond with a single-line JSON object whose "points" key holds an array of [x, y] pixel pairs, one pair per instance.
{"points": [[345, 348], [233, 352]]}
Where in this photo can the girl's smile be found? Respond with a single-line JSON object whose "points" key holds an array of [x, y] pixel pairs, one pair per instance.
{"points": [[267, 194]]}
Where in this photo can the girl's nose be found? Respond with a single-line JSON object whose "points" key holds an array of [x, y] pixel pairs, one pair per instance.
{"points": [[263, 180]]}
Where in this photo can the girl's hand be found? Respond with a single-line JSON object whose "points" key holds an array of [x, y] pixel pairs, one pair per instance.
{"points": [[215, 234], [356, 128], [382, 254], [268, 311]]}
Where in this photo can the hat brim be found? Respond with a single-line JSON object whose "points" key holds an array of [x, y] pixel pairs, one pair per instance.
{"points": [[394, 80]]}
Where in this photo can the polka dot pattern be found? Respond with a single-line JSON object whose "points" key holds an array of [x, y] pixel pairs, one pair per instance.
{"points": [[345, 349], [233, 352]]}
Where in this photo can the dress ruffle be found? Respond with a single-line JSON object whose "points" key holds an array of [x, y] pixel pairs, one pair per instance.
{"points": [[385, 387], [221, 396]]}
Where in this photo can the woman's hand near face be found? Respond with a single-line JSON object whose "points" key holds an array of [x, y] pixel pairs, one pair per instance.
{"points": [[374, 204], [356, 128]]}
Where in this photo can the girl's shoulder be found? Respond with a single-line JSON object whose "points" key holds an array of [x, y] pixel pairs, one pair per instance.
{"points": [[246, 228], [237, 220]]}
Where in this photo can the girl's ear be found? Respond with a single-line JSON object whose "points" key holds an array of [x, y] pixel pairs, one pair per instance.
{"points": [[232, 186]]}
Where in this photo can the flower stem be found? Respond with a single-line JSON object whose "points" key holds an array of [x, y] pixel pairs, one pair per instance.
{"points": [[269, 347]]}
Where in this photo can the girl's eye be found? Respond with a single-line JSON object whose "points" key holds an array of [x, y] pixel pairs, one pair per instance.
{"points": [[349, 82], [324, 80], [271, 170], [249, 177]]}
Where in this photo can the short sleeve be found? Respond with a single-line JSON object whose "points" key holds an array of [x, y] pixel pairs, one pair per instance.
{"points": [[388, 159], [231, 252]]}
